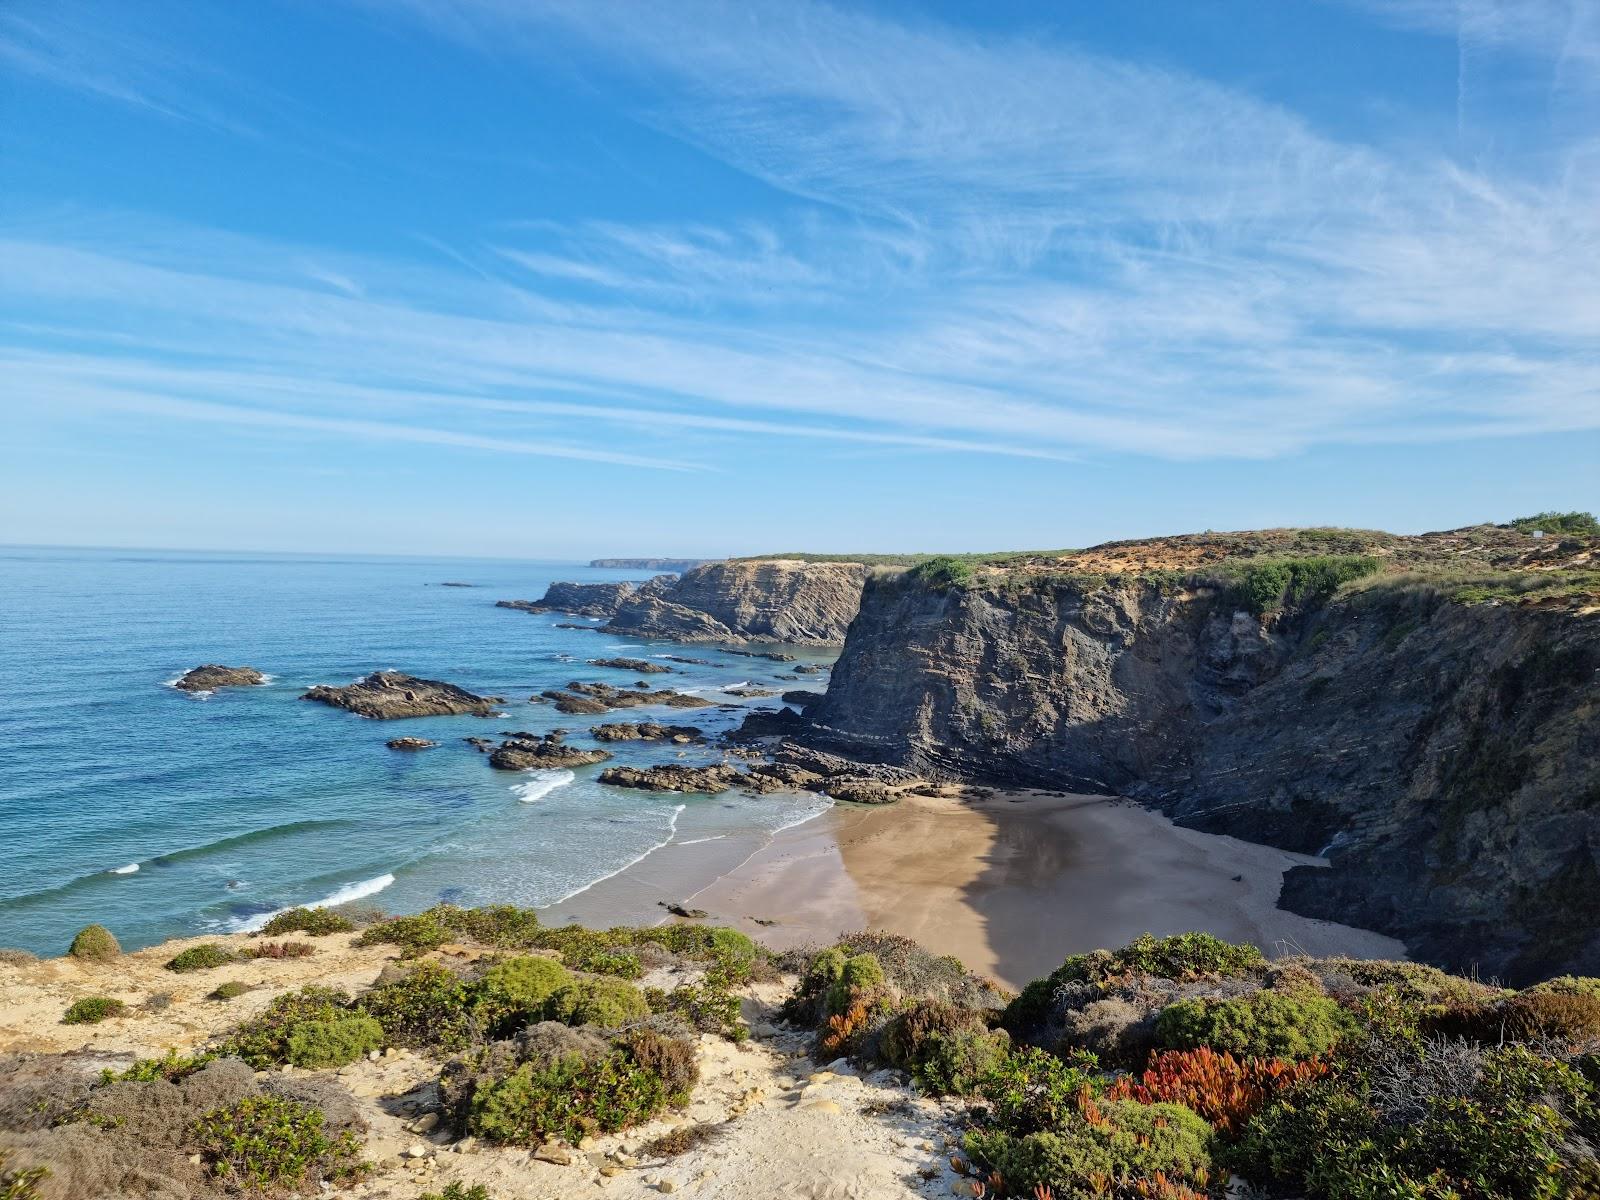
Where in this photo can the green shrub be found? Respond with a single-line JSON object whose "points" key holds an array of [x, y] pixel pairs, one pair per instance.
{"points": [[414, 935], [171, 1068], [1571, 985], [425, 1009], [1030, 1090], [733, 947], [516, 992], [332, 1043], [1570, 1017], [200, 958], [315, 922], [1578, 524], [91, 1010], [570, 1097], [1263, 585], [503, 925], [263, 1041], [955, 1063], [95, 943], [1505, 1131], [458, 1191], [905, 1034], [1264, 1024], [1125, 1141], [272, 1144], [231, 990], [858, 973], [597, 1001], [940, 574]]}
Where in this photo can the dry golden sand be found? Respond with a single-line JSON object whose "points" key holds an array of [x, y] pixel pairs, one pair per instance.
{"points": [[1014, 883]]}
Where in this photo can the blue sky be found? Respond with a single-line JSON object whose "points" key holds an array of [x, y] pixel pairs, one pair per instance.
{"points": [[557, 279]]}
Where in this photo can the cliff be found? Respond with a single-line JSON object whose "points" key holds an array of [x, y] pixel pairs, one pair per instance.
{"points": [[772, 600], [1431, 732]]}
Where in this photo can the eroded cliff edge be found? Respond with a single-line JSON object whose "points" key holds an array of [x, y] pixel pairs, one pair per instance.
{"points": [[1436, 739]]}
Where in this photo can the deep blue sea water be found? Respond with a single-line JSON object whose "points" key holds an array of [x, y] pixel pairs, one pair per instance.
{"points": [[251, 800]]}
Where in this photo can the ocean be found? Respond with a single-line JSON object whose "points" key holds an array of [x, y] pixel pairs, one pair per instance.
{"points": [[127, 802]]}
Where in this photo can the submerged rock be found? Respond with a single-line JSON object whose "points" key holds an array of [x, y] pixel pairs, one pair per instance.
{"points": [[213, 675], [390, 695], [410, 743]]}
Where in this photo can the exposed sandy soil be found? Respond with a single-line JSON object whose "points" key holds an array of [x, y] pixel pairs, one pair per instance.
{"points": [[786, 1126]]}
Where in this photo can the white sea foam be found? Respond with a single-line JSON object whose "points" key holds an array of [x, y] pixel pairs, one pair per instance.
{"points": [[672, 831], [127, 870], [344, 895], [716, 837], [728, 687], [541, 783], [801, 820]]}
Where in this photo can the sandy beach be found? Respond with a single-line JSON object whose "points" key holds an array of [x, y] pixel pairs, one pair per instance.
{"points": [[1010, 884]]}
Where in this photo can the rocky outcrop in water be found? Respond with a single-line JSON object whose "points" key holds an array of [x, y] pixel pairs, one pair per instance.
{"points": [[580, 599], [1439, 751], [212, 676], [410, 743], [531, 751], [674, 778], [390, 695], [592, 699], [639, 666], [647, 731]]}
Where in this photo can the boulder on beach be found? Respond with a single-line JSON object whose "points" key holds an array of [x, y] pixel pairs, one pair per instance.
{"points": [[390, 695], [674, 778], [213, 675]]}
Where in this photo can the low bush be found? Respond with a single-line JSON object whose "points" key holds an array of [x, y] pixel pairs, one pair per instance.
{"points": [[204, 957], [1032, 1090], [1570, 1017], [1221, 1088], [859, 974], [281, 950], [458, 1191], [709, 1005], [314, 922], [336, 1042], [572, 1096], [1264, 1024], [427, 1008], [415, 935], [1580, 524], [940, 574], [1506, 1128], [906, 1034], [263, 1041], [20, 1183], [95, 943], [517, 992], [268, 1143], [597, 1001], [1264, 585], [171, 1067], [91, 1010], [1123, 1141], [956, 1063], [231, 990]]}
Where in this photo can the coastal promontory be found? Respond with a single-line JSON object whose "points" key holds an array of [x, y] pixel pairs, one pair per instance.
{"points": [[391, 695]]}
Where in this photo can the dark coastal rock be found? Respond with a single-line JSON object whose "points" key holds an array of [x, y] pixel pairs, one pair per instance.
{"points": [[647, 731], [580, 599], [1439, 752], [565, 624], [390, 695], [639, 666], [410, 743], [768, 723], [524, 752], [212, 676], [810, 669], [694, 662], [481, 744], [859, 791], [592, 699], [454, 583], [674, 778], [749, 693], [801, 698], [683, 910], [777, 656]]}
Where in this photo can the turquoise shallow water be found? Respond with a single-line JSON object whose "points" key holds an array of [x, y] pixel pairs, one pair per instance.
{"points": [[252, 800]]}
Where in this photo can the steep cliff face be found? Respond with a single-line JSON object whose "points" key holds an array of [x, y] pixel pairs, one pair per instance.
{"points": [[1443, 755], [777, 600]]}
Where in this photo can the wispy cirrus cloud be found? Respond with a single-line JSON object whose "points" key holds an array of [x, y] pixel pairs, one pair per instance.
{"points": [[986, 244]]}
